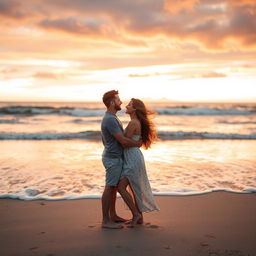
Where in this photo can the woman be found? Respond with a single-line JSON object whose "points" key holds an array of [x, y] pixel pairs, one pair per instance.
{"points": [[134, 172]]}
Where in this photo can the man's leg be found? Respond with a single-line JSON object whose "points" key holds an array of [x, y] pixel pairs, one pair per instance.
{"points": [[113, 171], [106, 203]]}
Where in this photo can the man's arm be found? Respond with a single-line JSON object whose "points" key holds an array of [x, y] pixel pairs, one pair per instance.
{"points": [[115, 130], [126, 142]]}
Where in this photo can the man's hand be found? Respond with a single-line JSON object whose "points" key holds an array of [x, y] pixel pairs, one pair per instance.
{"points": [[139, 143]]}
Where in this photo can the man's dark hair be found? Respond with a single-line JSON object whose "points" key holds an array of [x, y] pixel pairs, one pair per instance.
{"points": [[108, 96]]}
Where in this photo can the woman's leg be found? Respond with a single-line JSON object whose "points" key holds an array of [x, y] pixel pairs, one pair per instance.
{"points": [[140, 221], [123, 183]]}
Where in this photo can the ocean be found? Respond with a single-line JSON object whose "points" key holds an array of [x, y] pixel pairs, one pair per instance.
{"points": [[52, 151]]}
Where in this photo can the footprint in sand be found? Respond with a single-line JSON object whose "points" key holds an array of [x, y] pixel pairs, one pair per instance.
{"points": [[33, 248], [41, 233], [212, 253], [153, 226], [210, 236]]}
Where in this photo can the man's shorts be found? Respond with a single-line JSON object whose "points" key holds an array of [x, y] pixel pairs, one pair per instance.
{"points": [[114, 167]]}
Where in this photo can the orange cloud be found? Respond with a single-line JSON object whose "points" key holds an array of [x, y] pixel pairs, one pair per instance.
{"points": [[45, 75], [210, 23], [139, 75], [110, 34], [213, 75], [175, 6], [12, 9], [8, 71], [73, 25]]}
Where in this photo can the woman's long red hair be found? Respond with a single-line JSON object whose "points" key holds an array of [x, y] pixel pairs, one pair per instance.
{"points": [[148, 130]]}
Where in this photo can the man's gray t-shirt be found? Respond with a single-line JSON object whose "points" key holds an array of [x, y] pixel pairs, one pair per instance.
{"points": [[110, 124]]}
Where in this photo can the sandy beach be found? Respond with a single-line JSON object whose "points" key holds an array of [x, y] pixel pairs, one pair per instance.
{"points": [[218, 223]]}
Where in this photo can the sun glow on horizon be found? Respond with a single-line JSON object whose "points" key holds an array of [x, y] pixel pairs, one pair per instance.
{"points": [[180, 82]]}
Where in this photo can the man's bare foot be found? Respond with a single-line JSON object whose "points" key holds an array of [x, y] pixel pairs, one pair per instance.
{"points": [[118, 219], [111, 225], [135, 221]]}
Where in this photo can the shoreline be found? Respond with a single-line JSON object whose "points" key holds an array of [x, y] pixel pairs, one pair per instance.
{"points": [[171, 194], [217, 223]]}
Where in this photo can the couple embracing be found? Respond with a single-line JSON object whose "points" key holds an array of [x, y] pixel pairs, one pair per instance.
{"points": [[124, 162]]}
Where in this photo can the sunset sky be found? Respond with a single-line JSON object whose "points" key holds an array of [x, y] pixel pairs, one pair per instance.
{"points": [[180, 50]]}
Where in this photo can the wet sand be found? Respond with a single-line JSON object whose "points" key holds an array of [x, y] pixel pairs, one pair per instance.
{"points": [[213, 224]]}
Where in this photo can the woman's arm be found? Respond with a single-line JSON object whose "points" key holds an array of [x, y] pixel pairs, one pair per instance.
{"points": [[131, 128]]}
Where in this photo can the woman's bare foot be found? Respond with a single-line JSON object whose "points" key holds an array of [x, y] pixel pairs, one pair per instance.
{"points": [[140, 221], [135, 221], [111, 225]]}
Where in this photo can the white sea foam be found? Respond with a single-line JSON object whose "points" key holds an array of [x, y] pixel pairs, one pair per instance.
{"points": [[83, 112], [205, 135], [183, 192], [236, 122], [164, 110], [43, 110], [10, 121], [250, 190], [200, 111], [49, 198], [83, 121], [164, 135], [48, 136]]}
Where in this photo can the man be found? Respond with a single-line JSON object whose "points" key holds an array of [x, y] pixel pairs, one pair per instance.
{"points": [[113, 140]]}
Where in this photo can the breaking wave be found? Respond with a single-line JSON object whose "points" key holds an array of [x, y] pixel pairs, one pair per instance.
{"points": [[86, 112], [96, 135]]}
